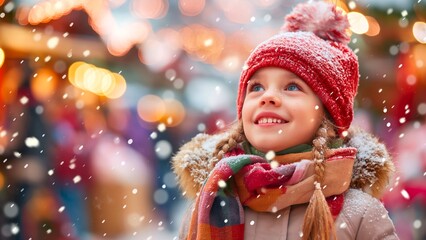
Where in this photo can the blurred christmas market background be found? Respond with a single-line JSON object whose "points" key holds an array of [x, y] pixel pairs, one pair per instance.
{"points": [[97, 95]]}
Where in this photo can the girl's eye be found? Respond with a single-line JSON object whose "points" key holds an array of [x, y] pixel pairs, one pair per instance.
{"points": [[293, 87], [256, 87]]}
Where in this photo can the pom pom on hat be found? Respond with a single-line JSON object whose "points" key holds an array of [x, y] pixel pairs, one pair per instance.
{"points": [[321, 18], [313, 45]]}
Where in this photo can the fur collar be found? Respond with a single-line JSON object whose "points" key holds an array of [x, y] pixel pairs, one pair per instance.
{"points": [[371, 172]]}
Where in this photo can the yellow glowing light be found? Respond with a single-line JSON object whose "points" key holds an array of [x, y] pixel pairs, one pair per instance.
{"points": [[44, 84], [107, 83], [92, 80], [151, 108], [2, 57], [118, 88], [419, 31], [99, 81], [358, 22], [72, 71], [80, 73]]}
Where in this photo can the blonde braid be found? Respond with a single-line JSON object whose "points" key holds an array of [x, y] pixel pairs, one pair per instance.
{"points": [[318, 221], [235, 137]]}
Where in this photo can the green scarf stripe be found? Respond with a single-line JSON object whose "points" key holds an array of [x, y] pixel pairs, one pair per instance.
{"points": [[238, 162]]}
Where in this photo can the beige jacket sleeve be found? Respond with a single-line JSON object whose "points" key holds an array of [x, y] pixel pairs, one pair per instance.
{"points": [[376, 224], [364, 217]]}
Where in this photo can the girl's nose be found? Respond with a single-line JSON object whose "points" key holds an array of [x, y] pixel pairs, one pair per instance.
{"points": [[270, 97]]}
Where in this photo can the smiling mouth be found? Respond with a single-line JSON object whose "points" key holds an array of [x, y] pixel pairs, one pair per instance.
{"points": [[270, 121]]}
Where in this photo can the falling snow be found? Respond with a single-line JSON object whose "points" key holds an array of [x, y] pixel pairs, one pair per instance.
{"points": [[405, 194], [32, 142], [77, 179]]}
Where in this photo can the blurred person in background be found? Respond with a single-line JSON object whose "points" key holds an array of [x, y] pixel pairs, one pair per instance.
{"points": [[30, 205], [122, 177]]}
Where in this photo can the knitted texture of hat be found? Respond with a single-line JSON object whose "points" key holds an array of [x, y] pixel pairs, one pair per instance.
{"points": [[313, 45]]}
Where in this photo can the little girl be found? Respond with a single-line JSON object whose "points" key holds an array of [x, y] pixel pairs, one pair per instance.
{"points": [[290, 167]]}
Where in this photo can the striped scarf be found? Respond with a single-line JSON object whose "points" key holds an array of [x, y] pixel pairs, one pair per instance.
{"points": [[250, 180]]}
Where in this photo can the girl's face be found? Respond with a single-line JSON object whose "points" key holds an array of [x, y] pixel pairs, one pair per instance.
{"points": [[280, 110]]}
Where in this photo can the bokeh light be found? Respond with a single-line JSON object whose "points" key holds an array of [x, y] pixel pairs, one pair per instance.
{"points": [[358, 22], [99, 81], [174, 114], [208, 95], [238, 11], [163, 149], [10, 85], [44, 84], [191, 7], [373, 27], [48, 10], [161, 49], [153, 9], [125, 35], [151, 108], [2, 57], [419, 53], [117, 88], [204, 43], [419, 31]]}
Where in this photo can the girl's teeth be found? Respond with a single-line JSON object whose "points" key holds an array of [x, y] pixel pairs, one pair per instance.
{"points": [[269, 120]]}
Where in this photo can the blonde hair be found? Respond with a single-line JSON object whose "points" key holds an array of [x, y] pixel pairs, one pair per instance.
{"points": [[318, 222], [236, 136]]}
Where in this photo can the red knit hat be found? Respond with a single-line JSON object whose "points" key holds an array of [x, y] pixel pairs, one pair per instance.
{"points": [[313, 45]]}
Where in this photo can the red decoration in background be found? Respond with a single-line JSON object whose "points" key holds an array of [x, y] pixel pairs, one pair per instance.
{"points": [[407, 83]]}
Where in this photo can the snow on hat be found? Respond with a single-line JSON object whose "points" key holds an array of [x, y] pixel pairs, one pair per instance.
{"points": [[312, 45]]}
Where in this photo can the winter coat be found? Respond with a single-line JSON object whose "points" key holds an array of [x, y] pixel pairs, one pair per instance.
{"points": [[362, 217]]}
